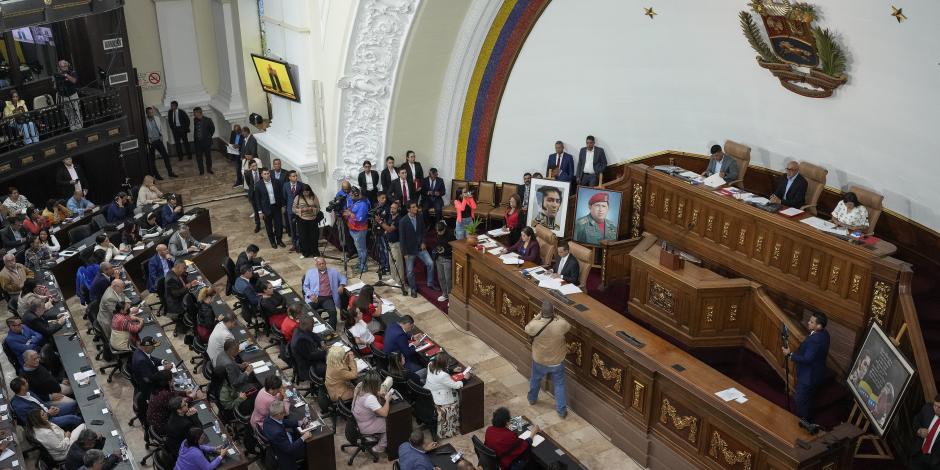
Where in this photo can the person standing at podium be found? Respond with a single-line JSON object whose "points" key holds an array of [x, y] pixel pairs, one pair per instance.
{"points": [[810, 359]]}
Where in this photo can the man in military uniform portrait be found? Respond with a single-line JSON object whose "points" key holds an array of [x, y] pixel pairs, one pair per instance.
{"points": [[549, 202], [595, 226]]}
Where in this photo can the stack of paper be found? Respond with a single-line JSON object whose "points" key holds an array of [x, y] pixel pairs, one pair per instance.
{"points": [[714, 181], [791, 212], [690, 174], [569, 289], [387, 306], [356, 286], [825, 226], [361, 365], [495, 251], [550, 283], [498, 232], [757, 200], [732, 394], [320, 328], [536, 440]]}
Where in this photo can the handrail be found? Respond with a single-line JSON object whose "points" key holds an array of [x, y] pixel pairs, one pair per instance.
{"points": [[914, 334], [30, 127], [762, 303]]}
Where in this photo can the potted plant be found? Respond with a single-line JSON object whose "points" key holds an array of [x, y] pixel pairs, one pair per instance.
{"points": [[471, 229]]}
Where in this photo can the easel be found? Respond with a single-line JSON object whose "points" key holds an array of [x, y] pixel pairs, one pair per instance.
{"points": [[859, 420]]}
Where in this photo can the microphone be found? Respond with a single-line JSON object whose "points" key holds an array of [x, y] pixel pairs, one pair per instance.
{"points": [[785, 335]]}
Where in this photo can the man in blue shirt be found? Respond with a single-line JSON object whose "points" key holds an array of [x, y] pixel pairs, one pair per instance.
{"points": [[78, 204], [121, 209], [170, 212], [791, 191], [244, 288], [322, 289], [397, 339], [357, 219], [21, 338], [413, 455], [158, 265]]}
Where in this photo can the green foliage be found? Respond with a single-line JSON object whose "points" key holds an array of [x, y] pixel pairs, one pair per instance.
{"points": [[831, 57], [471, 227], [752, 33]]}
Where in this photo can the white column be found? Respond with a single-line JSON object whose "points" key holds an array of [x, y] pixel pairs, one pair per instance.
{"points": [[181, 69], [230, 101]]}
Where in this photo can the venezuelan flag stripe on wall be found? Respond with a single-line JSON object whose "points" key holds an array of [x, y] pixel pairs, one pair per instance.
{"points": [[490, 75]]}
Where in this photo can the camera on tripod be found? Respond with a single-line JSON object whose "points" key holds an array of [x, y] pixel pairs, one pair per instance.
{"points": [[337, 204]]}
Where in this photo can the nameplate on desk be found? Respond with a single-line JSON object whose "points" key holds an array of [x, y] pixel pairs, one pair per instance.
{"points": [[630, 339]]}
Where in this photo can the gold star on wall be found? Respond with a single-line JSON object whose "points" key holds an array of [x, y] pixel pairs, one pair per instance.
{"points": [[649, 12], [898, 13]]}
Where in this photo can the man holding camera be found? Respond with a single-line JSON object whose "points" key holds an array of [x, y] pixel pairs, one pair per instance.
{"points": [[357, 219], [379, 213], [389, 223], [66, 86]]}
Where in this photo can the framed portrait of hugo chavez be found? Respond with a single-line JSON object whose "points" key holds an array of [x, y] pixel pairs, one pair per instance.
{"points": [[597, 215], [548, 205]]}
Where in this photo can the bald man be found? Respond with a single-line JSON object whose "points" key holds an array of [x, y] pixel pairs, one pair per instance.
{"points": [[157, 267], [12, 276], [111, 298]]}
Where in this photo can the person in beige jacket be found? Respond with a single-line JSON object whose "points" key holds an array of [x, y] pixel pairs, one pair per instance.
{"points": [[548, 354]]}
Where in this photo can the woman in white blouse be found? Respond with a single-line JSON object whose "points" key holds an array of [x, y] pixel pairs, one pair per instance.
{"points": [[52, 437], [49, 241], [357, 328], [849, 213], [149, 193], [444, 392], [103, 243]]}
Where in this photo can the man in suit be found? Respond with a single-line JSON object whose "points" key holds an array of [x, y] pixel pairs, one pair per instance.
{"points": [[237, 375], [389, 174], [203, 130], [176, 288], [182, 242], [591, 162], [292, 189], [249, 257], [524, 190], [182, 418], [403, 189], [308, 349], [158, 265], [722, 165], [171, 212], [249, 144], [322, 289], [102, 280], [432, 196], [925, 453], [561, 163], [282, 437], [413, 169], [252, 177], [70, 178], [111, 298], [269, 200], [155, 144], [144, 366], [810, 359], [179, 127], [411, 240], [566, 266], [277, 172], [14, 236], [20, 339], [398, 338], [369, 181], [791, 191], [25, 401]]}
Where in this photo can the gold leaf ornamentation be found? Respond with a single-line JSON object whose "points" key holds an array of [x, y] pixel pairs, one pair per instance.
{"points": [[574, 347], [724, 230], [458, 275], [652, 200], [638, 395], [485, 291], [678, 422], [776, 251], [709, 314], [666, 207], [834, 275], [814, 267], [733, 313], [795, 260], [515, 313], [719, 449], [694, 217], [612, 373], [879, 301], [741, 236], [661, 297], [635, 217], [856, 283], [709, 223], [680, 209], [760, 244]]}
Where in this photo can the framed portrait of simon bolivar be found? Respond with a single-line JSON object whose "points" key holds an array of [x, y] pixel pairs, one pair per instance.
{"points": [[548, 205]]}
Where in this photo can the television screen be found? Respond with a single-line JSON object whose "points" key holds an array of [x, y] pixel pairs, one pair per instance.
{"points": [[275, 77], [878, 378], [41, 35]]}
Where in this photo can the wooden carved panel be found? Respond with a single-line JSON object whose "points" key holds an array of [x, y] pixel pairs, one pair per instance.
{"points": [[661, 297], [879, 301], [574, 348], [678, 422], [514, 310], [726, 455], [612, 377], [484, 290], [639, 401], [637, 207]]}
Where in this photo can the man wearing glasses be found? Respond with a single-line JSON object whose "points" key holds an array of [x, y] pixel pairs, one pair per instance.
{"points": [[791, 191]]}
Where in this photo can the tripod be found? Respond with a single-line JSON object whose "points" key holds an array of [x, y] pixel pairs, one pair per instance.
{"points": [[382, 244], [339, 224]]}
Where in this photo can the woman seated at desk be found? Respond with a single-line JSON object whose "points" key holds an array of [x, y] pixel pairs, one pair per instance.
{"points": [[52, 437], [55, 211], [527, 247], [512, 452], [206, 317], [272, 302], [365, 301], [49, 241], [103, 243], [370, 409], [341, 370], [129, 237], [125, 326], [356, 326], [850, 213]]}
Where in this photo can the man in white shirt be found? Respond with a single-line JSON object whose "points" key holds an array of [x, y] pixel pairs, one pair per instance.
{"points": [[592, 161], [219, 334], [566, 267], [70, 178], [925, 453]]}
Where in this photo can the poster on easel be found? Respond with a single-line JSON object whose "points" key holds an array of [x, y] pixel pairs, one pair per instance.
{"points": [[879, 377]]}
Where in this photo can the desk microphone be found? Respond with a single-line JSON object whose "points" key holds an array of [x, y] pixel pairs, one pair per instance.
{"points": [[785, 335], [73, 335]]}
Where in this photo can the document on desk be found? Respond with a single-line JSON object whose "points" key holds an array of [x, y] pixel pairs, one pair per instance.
{"points": [[569, 289], [550, 283], [757, 200], [7, 453], [498, 232], [320, 328], [824, 225], [730, 394], [80, 376], [361, 365], [536, 439], [495, 251], [356, 286], [714, 181], [790, 211], [276, 283]]}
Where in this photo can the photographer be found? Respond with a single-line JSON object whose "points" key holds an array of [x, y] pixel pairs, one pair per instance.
{"points": [[389, 224], [345, 202], [378, 214], [357, 219], [66, 85]]}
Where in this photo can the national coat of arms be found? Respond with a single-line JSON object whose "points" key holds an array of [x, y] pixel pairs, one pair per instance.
{"points": [[805, 58]]}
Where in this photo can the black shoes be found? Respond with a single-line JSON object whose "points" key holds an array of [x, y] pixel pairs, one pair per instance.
{"points": [[174, 175], [274, 245], [257, 228], [158, 178], [210, 171], [281, 244], [414, 293]]}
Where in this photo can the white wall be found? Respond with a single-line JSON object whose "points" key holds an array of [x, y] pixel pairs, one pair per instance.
{"points": [[688, 79]]}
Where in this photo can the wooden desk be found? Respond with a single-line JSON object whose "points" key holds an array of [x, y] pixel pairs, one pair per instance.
{"points": [[655, 402]]}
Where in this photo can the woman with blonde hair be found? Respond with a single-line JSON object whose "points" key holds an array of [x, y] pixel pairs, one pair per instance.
{"points": [[341, 370], [149, 193], [51, 436]]}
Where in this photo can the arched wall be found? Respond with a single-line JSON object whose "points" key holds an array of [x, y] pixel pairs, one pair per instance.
{"points": [[688, 78]]}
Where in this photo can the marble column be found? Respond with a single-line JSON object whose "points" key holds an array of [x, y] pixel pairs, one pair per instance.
{"points": [[230, 100], [181, 70]]}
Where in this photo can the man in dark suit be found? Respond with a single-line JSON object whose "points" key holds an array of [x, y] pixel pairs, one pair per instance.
{"points": [[292, 189], [566, 266], [369, 181], [176, 288], [925, 453], [249, 257], [278, 173], [282, 436], [411, 240], [70, 177], [203, 130], [177, 426], [307, 349], [561, 163], [65, 416], [143, 369], [791, 191], [810, 359], [158, 266], [179, 126], [524, 190], [249, 144], [269, 200], [591, 162], [252, 176], [398, 338], [14, 236], [389, 174], [432, 196], [415, 172], [403, 189]]}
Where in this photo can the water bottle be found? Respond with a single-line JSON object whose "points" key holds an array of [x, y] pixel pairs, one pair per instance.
{"points": [[216, 428], [123, 446], [68, 323]]}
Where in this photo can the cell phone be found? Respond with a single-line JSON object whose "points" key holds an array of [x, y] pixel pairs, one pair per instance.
{"points": [[93, 397], [97, 422]]}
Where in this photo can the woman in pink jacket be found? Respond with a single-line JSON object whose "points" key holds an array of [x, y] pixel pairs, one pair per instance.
{"points": [[466, 208]]}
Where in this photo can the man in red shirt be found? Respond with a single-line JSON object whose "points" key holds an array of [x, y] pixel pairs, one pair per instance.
{"points": [[513, 453]]}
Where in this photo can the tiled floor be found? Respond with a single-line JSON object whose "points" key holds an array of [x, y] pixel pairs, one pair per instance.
{"points": [[503, 384]]}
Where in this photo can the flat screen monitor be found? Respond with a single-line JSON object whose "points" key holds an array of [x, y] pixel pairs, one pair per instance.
{"points": [[275, 77], [878, 378]]}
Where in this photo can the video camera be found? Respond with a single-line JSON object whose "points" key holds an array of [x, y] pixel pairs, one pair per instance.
{"points": [[338, 204]]}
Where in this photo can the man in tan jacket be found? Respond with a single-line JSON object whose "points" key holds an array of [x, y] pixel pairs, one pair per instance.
{"points": [[548, 354]]}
